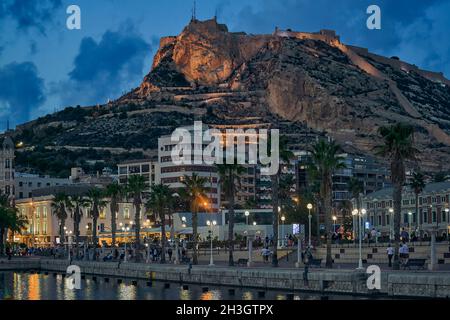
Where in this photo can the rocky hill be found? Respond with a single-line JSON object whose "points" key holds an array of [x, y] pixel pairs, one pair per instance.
{"points": [[306, 84]]}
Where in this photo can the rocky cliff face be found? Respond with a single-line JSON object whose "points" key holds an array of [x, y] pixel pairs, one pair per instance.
{"points": [[299, 82]]}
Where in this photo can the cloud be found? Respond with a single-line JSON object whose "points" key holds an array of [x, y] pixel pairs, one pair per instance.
{"points": [[30, 14], [21, 91], [106, 68]]}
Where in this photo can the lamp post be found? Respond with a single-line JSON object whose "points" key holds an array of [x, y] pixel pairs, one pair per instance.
{"points": [[391, 223], [360, 264], [247, 213], [126, 230], [211, 224], [447, 210], [309, 207], [283, 219], [409, 225], [354, 214], [334, 223], [69, 242]]}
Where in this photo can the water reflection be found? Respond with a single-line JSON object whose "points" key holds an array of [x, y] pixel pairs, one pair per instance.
{"points": [[22, 286]]}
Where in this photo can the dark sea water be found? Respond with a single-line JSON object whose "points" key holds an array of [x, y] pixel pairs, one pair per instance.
{"points": [[26, 286]]}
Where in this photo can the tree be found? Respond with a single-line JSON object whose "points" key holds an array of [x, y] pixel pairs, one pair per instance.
{"points": [[115, 192], [9, 220], [230, 182], [398, 146], [285, 156], [135, 188], [417, 184], [160, 202], [326, 161], [59, 209], [77, 204], [194, 193], [96, 202]]}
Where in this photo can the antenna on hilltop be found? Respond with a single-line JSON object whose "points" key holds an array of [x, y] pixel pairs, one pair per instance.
{"points": [[194, 11]]}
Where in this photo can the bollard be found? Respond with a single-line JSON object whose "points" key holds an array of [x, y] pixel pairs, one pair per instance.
{"points": [[134, 283]]}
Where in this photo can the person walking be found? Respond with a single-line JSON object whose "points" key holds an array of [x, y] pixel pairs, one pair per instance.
{"points": [[390, 253], [169, 252]]}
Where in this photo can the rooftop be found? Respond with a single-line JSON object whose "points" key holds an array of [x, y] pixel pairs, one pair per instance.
{"points": [[429, 188]]}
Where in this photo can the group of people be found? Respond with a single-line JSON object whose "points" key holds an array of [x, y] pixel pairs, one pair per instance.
{"points": [[403, 253]]}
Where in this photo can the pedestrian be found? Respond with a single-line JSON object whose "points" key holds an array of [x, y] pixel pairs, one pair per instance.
{"points": [[169, 252], [390, 253], [265, 252]]}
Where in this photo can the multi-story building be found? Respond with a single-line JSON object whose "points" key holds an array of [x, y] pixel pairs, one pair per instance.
{"points": [[7, 166], [147, 168], [43, 224], [172, 174], [25, 184], [434, 204]]}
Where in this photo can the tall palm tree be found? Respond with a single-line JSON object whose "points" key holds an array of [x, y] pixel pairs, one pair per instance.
{"points": [[417, 184], [356, 187], [115, 192], [398, 146], [136, 186], [78, 203], [285, 156], [326, 161], [194, 193], [160, 202], [59, 209], [230, 181], [96, 203]]}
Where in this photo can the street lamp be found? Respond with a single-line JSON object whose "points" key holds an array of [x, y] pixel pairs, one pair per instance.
{"points": [[409, 225], [360, 264], [254, 223], [391, 223], [447, 210], [127, 229], [283, 219], [211, 224], [309, 207], [334, 223], [354, 214], [69, 241], [246, 213]]}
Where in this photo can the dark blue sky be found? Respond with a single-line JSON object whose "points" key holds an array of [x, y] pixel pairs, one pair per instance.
{"points": [[45, 67]]}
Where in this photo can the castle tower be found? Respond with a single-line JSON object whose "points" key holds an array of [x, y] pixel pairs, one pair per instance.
{"points": [[7, 166]]}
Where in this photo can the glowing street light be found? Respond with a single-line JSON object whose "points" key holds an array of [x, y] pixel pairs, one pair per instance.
{"points": [[246, 213], [309, 207], [211, 224]]}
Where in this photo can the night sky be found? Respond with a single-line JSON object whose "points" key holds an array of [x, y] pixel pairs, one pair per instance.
{"points": [[45, 67]]}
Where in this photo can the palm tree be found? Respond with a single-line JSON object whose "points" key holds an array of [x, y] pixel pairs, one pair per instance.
{"points": [[9, 220], [285, 156], [417, 184], [77, 202], [135, 187], [96, 202], [160, 202], [194, 193], [356, 187], [230, 182], [326, 161], [398, 146], [115, 192], [59, 209]]}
